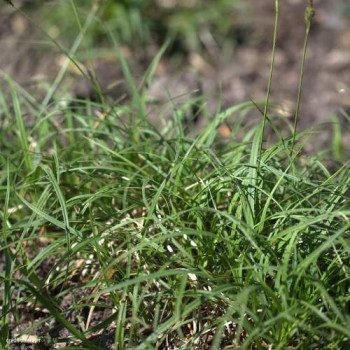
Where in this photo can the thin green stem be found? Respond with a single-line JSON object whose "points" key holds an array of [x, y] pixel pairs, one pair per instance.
{"points": [[309, 13], [267, 100]]}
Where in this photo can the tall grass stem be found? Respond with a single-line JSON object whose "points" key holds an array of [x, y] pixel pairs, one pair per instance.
{"points": [[268, 93], [309, 13]]}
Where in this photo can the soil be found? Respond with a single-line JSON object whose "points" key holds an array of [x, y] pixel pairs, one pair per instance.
{"points": [[225, 80]]}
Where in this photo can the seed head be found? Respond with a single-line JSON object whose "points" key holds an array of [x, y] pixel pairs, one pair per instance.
{"points": [[310, 11], [9, 2]]}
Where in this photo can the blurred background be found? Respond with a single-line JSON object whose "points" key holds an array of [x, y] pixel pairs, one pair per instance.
{"points": [[220, 48]]}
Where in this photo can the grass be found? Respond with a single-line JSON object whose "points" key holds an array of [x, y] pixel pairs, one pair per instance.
{"points": [[147, 24], [158, 239]]}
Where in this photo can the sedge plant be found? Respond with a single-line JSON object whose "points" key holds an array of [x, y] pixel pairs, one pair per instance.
{"points": [[117, 233]]}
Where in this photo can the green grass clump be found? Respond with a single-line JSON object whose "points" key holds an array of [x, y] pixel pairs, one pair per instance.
{"points": [[157, 239], [194, 25], [158, 230]]}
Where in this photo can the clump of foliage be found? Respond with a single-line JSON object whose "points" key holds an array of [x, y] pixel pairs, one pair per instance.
{"points": [[171, 237], [192, 24], [159, 239]]}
